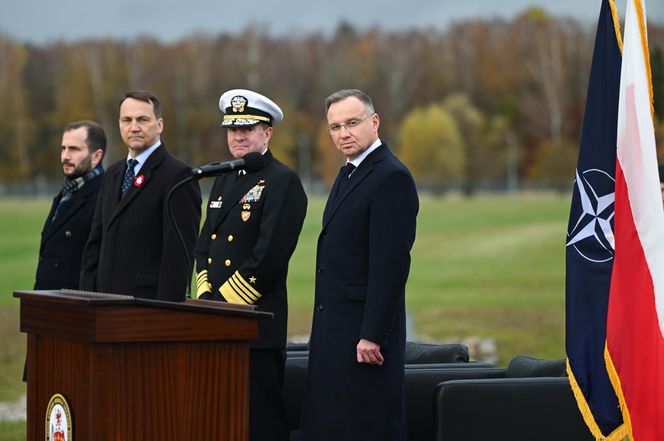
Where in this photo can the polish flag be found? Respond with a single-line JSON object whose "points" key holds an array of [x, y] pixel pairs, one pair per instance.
{"points": [[635, 320]]}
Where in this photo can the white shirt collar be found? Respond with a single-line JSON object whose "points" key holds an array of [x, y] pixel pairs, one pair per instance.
{"points": [[357, 161], [143, 156]]}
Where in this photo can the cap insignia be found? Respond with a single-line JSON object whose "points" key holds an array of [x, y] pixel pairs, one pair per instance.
{"points": [[238, 103]]}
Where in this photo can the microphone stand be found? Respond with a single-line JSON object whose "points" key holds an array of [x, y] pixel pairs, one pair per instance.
{"points": [[187, 258]]}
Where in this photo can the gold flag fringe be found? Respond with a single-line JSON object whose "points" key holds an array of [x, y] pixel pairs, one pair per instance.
{"points": [[617, 435]]}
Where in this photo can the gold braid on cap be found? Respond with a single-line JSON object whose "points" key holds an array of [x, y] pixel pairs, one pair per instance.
{"points": [[259, 118]]}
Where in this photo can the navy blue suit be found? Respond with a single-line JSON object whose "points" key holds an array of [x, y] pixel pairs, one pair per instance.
{"points": [[63, 239], [362, 264]]}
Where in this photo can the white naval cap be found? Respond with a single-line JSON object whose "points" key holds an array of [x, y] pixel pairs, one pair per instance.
{"points": [[244, 108]]}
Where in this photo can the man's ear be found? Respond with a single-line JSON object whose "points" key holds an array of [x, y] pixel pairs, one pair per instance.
{"points": [[97, 156]]}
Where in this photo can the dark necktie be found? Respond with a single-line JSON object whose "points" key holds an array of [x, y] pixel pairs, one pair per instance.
{"points": [[129, 175], [344, 176]]}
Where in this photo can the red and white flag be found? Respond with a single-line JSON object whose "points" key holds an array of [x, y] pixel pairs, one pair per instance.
{"points": [[635, 321]]}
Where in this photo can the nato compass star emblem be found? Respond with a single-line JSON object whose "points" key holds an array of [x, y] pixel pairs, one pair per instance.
{"points": [[590, 230]]}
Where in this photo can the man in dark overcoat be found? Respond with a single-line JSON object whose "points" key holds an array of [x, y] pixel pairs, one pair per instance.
{"points": [[67, 225], [355, 384], [133, 247], [251, 229]]}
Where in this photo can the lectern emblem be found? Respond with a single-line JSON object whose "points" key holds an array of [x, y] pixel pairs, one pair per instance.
{"points": [[58, 419]]}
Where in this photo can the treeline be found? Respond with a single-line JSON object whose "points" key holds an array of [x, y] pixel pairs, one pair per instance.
{"points": [[486, 104]]}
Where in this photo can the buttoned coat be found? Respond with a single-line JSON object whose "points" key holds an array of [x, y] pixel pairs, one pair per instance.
{"points": [[362, 264], [133, 247], [250, 231], [63, 240]]}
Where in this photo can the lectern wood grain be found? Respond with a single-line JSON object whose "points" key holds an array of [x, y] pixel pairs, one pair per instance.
{"points": [[138, 370]]}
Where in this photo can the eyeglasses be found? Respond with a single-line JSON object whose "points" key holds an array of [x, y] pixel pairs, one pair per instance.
{"points": [[349, 125]]}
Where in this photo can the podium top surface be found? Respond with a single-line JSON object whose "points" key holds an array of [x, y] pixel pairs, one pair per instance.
{"points": [[98, 299], [91, 318]]}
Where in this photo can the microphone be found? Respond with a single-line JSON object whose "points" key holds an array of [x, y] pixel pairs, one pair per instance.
{"points": [[251, 162]]}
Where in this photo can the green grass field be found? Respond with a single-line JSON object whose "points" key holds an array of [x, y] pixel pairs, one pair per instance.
{"points": [[490, 267], [12, 431]]}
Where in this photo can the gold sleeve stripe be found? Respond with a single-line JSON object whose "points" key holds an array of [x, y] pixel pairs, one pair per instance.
{"points": [[202, 284], [238, 290], [229, 294], [246, 286], [243, 292], [202, 289]]}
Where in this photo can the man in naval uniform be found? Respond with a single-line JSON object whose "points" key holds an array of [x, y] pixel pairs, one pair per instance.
{"points": [[250, 232]]}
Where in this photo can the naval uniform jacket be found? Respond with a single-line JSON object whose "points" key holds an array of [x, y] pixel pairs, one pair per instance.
{"points": [[250, 231], [133, 247], [62, 240], [362, 264]]}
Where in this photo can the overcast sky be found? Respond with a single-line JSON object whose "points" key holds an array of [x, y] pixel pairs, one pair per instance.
{"points": [[42, 21]]}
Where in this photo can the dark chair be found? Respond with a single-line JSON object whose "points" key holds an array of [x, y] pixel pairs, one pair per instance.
{"points": [[297, 347], [418, 353], [531, 401], [295, 378], [428, 365], [421, 382], [415, 353]]}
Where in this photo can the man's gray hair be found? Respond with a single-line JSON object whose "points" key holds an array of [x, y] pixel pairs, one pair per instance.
{"points": [[347, 93]]}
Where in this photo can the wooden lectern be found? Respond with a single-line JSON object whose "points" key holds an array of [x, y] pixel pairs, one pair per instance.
{"points": [[138, 369]]}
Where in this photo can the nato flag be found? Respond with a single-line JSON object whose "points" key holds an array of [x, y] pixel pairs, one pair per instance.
{"points": [[590, 245]]}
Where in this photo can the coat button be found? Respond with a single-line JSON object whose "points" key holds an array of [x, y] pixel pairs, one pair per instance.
{"points": [[67, 233], [209, 259], [213, 237], [319, 308], [227, 263], [230, 238]]}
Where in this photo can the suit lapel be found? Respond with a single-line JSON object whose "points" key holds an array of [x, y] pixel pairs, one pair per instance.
{"points": [[49, 227], [365, 168], [152, 163], [331, 200], [113, 180], [68, 209]]}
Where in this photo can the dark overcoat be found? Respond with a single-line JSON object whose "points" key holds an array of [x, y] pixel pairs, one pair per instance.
{"points": [[63, 240], [250, 232], [133, 247], [362, 264]]}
